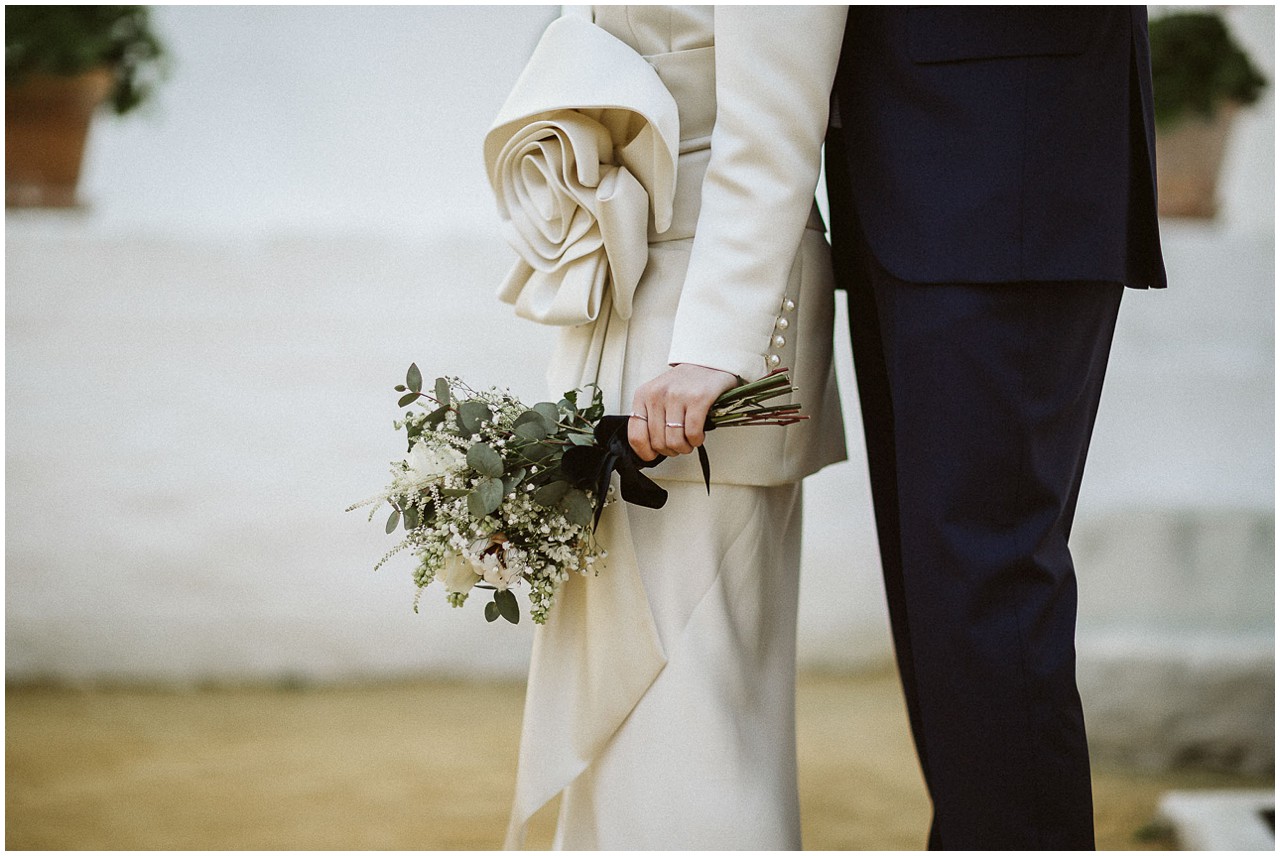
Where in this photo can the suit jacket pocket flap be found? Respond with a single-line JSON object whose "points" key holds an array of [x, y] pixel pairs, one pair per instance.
{"points": [[954, 33]]}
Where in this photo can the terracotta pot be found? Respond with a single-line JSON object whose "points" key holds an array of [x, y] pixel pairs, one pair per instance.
{"points": [[46, 120], [1188, 160]]}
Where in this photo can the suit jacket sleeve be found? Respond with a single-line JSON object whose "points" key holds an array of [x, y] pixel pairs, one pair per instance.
{"points": [[774, 70]]}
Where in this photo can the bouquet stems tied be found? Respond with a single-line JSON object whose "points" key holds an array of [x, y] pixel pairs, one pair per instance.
{"points": [[745, 404]]}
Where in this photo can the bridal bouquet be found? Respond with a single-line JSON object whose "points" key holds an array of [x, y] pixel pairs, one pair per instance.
{"points": [[492, 494]]}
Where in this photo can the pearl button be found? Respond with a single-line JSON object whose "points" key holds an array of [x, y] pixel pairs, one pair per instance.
{"points": [[779, 341], [774, 359], [783, 323], [789, 305]]}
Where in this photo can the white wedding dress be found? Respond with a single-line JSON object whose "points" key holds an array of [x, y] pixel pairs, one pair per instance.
{"points": [[661, 695]]}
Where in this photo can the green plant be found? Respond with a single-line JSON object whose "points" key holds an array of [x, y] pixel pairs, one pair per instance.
{"points": [[70, 40], [1196, 66]]}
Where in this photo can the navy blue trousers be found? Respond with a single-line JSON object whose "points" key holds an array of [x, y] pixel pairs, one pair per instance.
{"points": [[978, 402]]}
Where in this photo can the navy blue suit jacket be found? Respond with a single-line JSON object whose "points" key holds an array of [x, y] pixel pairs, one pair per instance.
{"points": [[1002, 144]]}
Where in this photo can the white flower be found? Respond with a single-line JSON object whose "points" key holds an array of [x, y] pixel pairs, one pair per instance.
{"points": [[489, 564], [497, 574], [426, 464], [458, 574]]}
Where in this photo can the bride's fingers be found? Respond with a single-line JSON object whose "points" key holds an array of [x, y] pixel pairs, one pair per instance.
{"points": [[658, 429], [676, 440], [638, 435], [694, 420]]}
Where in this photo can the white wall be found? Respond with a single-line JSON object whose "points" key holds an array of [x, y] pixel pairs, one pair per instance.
{"points": [[314, 119], [200, 363]]}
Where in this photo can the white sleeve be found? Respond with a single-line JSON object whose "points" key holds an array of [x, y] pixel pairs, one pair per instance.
{"points": [[774, 70]]}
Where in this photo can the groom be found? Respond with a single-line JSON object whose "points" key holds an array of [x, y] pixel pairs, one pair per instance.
{"points": [[992, 192]]}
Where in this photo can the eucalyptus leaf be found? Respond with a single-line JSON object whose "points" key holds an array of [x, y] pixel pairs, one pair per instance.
{"points": [[472, 414], [508, 606], [551, 494], [527, 417], [484, 460], [408, 398], [491, 611], [410, 519], [533, 430], [485, 498], [595, 409], [393, 521], [442, 392], [454, 491], [549, 412], [582, 439], [577, 507], [413, 379], [401, 388], [537, 452]]}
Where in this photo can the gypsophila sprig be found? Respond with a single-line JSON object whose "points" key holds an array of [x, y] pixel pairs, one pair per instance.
{"points": [[493, 495]]}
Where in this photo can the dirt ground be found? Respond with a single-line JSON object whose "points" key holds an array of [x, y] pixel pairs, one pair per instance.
{"points": [[423, 766]]}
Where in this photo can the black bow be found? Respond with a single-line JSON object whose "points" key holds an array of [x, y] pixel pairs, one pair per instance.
{"points": [[590, 467]]}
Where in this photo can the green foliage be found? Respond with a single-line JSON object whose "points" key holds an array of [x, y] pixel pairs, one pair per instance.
{"points": [[549, 495], [577, 507], [484, 460], [485, 498], [70, 40], [1196, 66], [595, 412], [471, 414], [532, 430], [538, 417], [508, 606], [539, 453], [437, 416], [413, 378], [549, 412], [512, 480]]}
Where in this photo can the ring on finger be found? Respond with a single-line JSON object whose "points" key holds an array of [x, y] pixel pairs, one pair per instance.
{"points": [[675, 424]]}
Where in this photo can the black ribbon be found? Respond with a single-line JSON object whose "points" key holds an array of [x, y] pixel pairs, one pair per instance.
{"points": [[590, 467]]}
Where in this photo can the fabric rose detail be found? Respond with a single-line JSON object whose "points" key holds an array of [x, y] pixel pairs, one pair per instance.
{"points": [[581, 158]]}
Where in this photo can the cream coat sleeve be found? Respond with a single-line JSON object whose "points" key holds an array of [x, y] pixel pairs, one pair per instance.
{"points": [[774, 71]]}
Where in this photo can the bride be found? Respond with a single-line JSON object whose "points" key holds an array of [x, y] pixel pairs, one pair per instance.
{"points": [[655, 168]]}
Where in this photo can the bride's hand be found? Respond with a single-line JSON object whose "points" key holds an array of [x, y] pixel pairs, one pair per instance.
{"points": [[668, 412]]}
